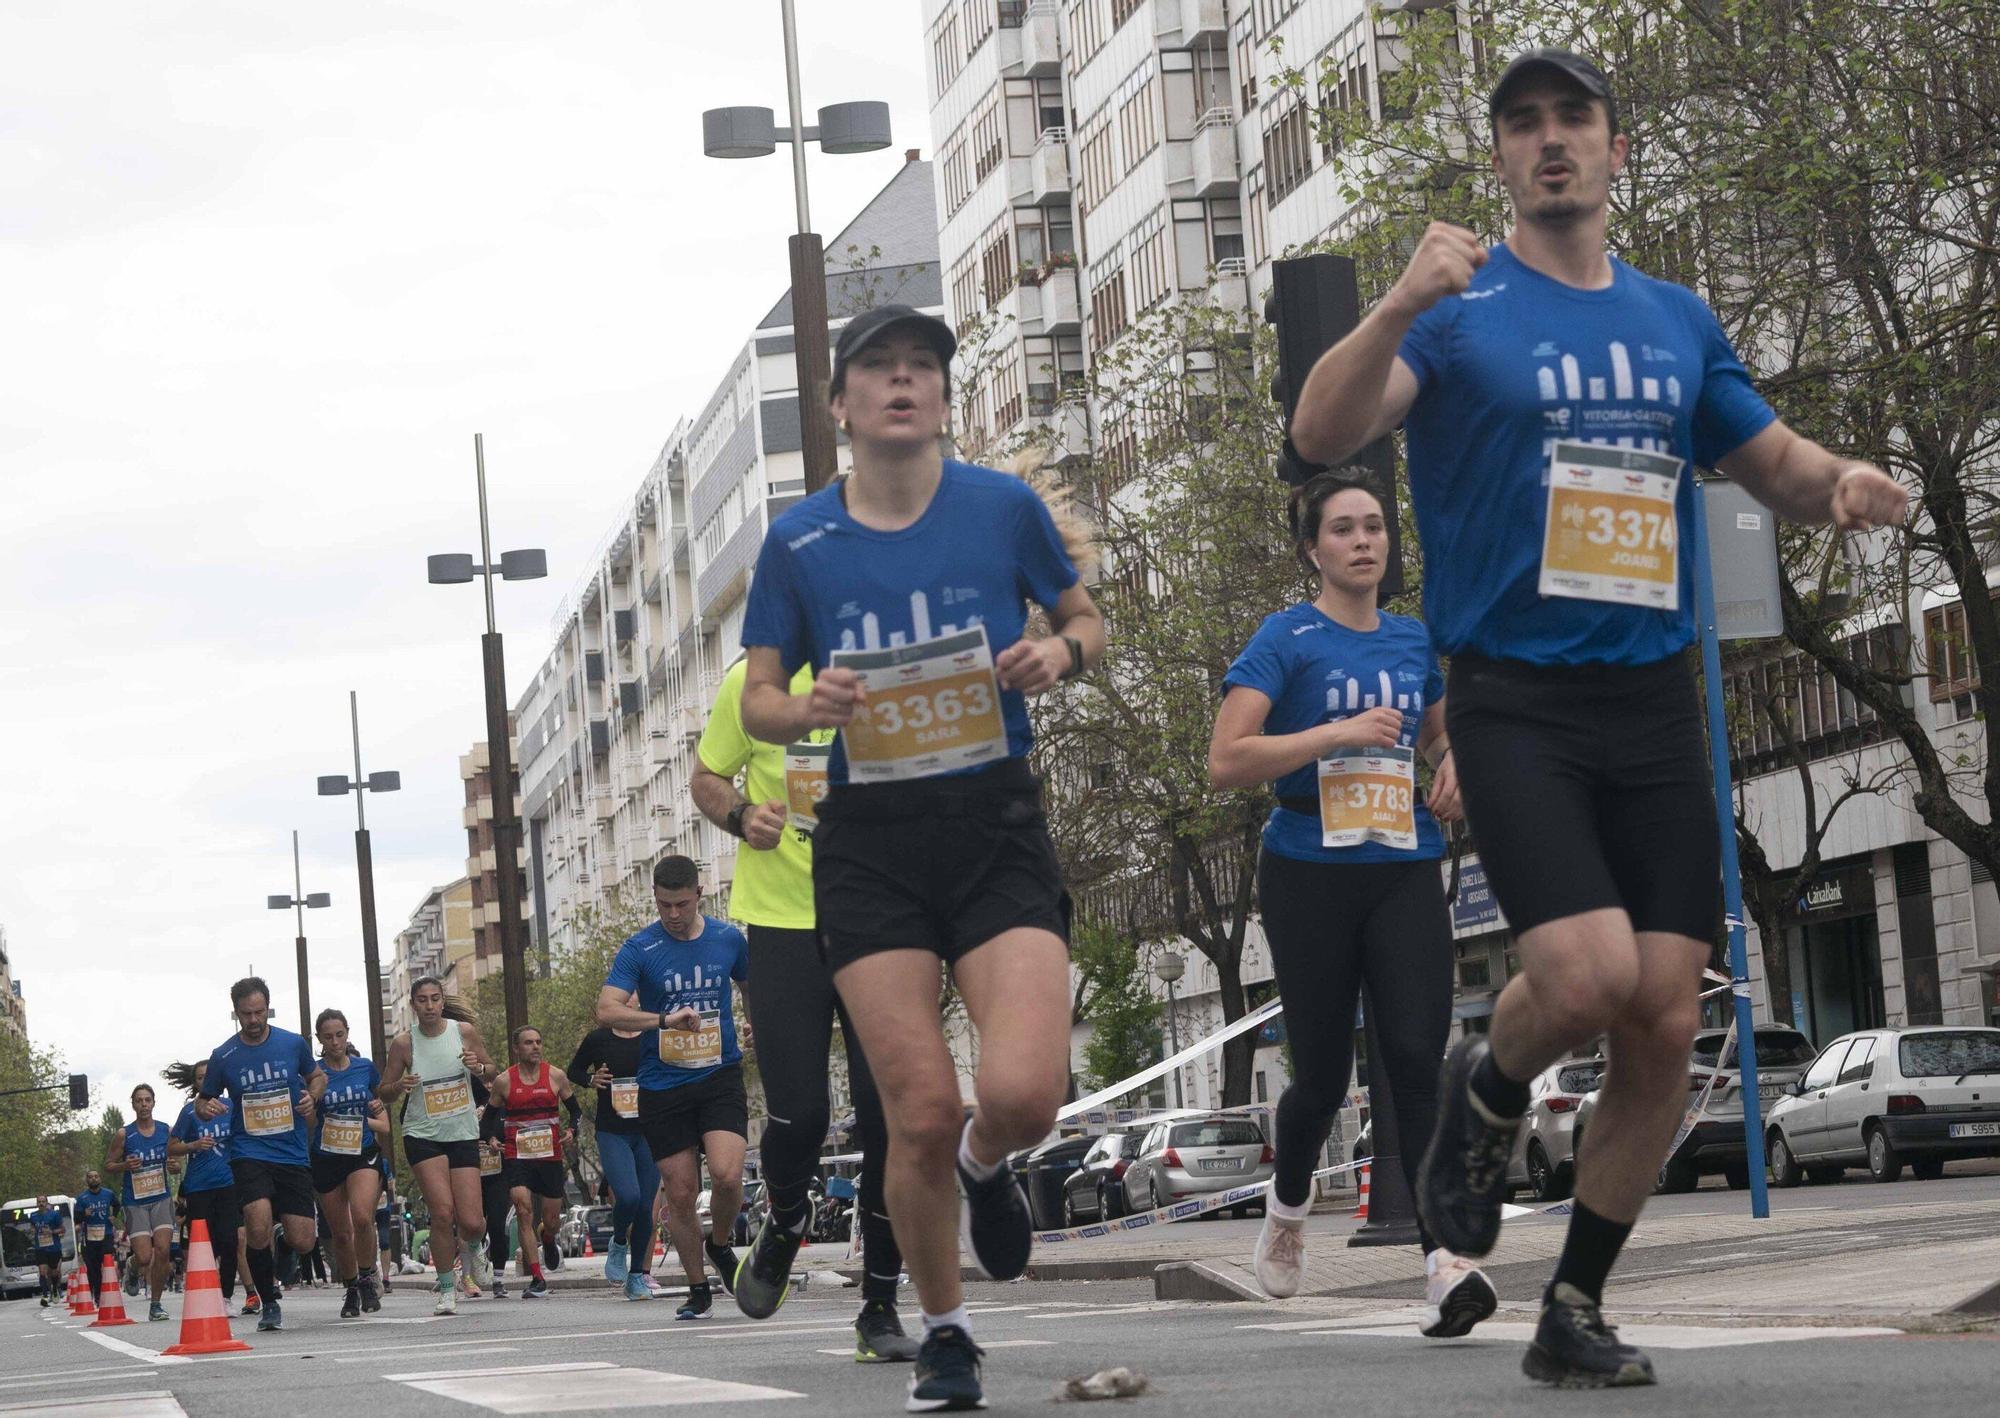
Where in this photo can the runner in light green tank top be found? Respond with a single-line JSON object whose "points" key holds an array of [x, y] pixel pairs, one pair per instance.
{"points": [[438, 1064]]}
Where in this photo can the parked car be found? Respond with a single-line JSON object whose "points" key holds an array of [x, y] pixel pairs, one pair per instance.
{"points": [[1885, 1097], [1095, 1191], [1715, 1143], [1196, 1156], [579, 1221], [1045, 1170], [1544, 1159], [753, 1196]]}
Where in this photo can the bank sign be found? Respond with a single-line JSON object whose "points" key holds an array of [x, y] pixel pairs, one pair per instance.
{"points": [[1474, 908]]}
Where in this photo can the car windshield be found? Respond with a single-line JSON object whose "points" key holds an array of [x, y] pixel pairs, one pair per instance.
{"points": [[1776, 1048], [598, 1216], [1949, 1054], [1230, 1133], [17, 1239]]}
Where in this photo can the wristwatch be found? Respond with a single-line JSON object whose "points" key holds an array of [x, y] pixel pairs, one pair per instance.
{"points": [[1075, 656], [663, 1019], [733, 824]]}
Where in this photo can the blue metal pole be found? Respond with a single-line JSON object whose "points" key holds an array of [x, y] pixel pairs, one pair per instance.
{"points": [[1732, 881]]}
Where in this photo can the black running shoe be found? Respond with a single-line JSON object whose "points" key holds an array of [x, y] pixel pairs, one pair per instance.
{"points": [[371, 1299], [724, 1261], [538, 1289], [946, 1379], [1463, 1180], [994, 1224], [350, 1308], [879, 1337], [699, 1304], [1575, 1348], [765, 1276], [551, 1256]]}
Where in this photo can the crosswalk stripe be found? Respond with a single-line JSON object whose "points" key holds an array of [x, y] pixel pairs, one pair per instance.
{"points": [[569, 1388], [154, 1404]]}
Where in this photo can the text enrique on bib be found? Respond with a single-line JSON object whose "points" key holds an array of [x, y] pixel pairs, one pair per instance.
{"points": [[693, 1048]]}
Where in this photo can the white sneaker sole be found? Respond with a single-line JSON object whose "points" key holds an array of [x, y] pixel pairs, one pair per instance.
{"points": [[1467, 1303], [1278, 1284]]}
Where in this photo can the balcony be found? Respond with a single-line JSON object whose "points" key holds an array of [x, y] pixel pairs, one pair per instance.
{"points": [[631, 697], [600, 737], [1193, 24], [1212, 154], [729, 572], [624, 624], [656, 672], [1048, 169], [593, 667], [1231, 288], [1062, 428], [679, 556], [650, 589], [1030, 46], [659, 748], [604, 803], [1062, 303]]}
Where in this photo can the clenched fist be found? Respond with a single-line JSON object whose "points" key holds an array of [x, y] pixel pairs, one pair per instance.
{"points": [[1443, 265], [1865, 497]]}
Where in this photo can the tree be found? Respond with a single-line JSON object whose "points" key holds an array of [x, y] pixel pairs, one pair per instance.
{"points": [[1826, 174], [1111, 994], [30, 1120]]}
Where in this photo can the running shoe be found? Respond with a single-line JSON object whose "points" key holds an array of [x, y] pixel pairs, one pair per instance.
{"points": [[45, 1302], [479, 1266], [1575, 1348], [1457, 1296], [724, 1260], [1463, 1180], [617, 1262], [551, 1256], [636, 1288], [765, 1277], [156, 1311], [994, 1225], [652, 1286], [538, 1289], [499, 1287], [350, 1308], [1280, 1257], [371, 1298], [447, 1299], [879, 1337], [271, 1316], [946, 1379], [700, 1303], [250, 1303]]}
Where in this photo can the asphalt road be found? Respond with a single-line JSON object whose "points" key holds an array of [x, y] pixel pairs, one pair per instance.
{"points": [[584, 1352]]}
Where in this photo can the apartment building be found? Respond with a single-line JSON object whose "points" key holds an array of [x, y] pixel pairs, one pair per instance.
{"points": [[610, 719], [482, 866], [439, 940], [13, 1007]]}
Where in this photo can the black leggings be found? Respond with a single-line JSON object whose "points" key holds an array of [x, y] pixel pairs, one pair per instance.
{"points": [[499, 1208], [217, 1206], [1334, 926], [792, 1008], [94, 1253]]}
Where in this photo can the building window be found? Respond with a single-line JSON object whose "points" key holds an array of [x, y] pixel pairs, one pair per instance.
{"points": [[1287, 153], [1246, 73], [986, 148], [1954, 671], [979, 19], [1120, 459], [1007, 402], [1097, 173], [1791, 699], [1086, 32], [1150, 282], [1108, 317], [965, 301], [1196, 84], [1253, 197], [957, 165], [1139, 123], [1034, 107], [996, 262], [947, 57], [1123, 10], [1270, 12], [1054, 367], [1341, 96]]}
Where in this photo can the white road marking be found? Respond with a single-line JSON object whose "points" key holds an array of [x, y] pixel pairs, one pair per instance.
{"points": [[984, 1344], [134, 1351], [156, 1404], [485, 1346], [63, 1380], [570, 1388], [1093, 1312], [1645, 1336]]}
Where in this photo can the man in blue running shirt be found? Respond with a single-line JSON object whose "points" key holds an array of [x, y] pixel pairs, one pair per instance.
{"points": [[1556, 403], [274, 1085]]}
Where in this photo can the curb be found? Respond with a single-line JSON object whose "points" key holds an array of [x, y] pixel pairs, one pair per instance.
{"points": [[1979, 1302], [1204, 1280]]}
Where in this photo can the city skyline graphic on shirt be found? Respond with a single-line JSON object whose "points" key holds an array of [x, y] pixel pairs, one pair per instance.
{"points": [[1624, 398], [920, 623]]}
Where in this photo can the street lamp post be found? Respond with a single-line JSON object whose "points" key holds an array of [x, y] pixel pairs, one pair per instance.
{"points": [[298, 901], [753, 133], [337, 785], [1170, 967], [454, 568]]}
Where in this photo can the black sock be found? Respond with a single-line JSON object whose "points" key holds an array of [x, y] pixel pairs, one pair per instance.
{"points": [[1589, 1251], [264, 1274], [1504, 1097]]}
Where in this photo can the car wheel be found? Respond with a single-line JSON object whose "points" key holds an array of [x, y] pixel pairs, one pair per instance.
{"points": [[1069, 1210], [1825, 1176], [1927, 1169], [1545, 1182], [1737, 1174], [1677, 1175], [1885, 1164], [1785, 1169]]}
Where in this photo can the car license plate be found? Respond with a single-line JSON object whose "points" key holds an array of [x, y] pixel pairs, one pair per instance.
{"points": [[1975, 1130], [1219, 1164], [1768, 1091]]}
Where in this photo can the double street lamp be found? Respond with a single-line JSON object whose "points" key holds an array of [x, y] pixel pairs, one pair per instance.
{"points": [[456, 568], [337, 785], [752, 132], [299, 902]]}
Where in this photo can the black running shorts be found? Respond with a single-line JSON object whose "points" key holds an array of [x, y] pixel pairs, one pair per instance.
{"points": [[675, 1119], [289, 1188], [1589, 787], [939, 864], [457, 1154], [331, 1170], [543, 1176]]}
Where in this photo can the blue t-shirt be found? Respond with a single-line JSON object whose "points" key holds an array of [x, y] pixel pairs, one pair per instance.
{"points": [[208, 1169], [1504, 370], [1315, 670], [48, 1229], [349, 1091], [93, 1209], [669, 974], [984, 548], [258, 1074], [145, 1152]]}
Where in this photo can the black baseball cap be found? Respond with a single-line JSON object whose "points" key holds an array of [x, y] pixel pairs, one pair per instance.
{"points": [[871, 325], [1561, 63]]}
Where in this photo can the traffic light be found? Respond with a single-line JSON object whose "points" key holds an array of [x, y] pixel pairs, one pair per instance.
{"points": [[1314, 302], [79, 1092]]}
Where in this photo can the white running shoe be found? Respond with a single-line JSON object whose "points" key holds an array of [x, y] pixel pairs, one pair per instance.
{"points": [[447, 1301], [1280, 1261], [480, 1265], [1457, 1296]]}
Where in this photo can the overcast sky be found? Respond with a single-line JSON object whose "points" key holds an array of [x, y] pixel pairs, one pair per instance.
{"points": [[265, 269]]}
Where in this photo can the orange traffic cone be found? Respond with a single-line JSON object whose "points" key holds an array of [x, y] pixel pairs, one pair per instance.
{"points": [[1361, 1207], [111, 1310], [80, 1302], [204, 1317], [588, 1249]]}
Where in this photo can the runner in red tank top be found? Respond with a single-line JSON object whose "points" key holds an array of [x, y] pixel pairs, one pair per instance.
{"points": [[533, 1142]]}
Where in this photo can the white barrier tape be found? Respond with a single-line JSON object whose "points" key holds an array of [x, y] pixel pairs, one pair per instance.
{"points": [[1694, 1114], [1166, 1066], [1178, 1211], [1125, 1117]]}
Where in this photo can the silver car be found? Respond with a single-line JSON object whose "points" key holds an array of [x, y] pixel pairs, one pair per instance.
{"points": [[1544, 1159], [1193, 1157], [1882, 1098]]}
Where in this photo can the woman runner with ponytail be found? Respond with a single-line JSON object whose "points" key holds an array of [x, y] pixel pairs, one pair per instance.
{"points": [[207, 1187], [346, 1150]]}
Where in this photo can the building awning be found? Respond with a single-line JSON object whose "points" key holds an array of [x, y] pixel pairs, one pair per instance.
{"points": [[1478, 1008]]}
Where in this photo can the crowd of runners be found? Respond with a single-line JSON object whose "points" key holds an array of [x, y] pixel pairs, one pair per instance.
{"points": [[871, 750]]}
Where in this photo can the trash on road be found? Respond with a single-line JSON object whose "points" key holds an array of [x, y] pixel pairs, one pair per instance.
{"points": [[1119, 1382]]}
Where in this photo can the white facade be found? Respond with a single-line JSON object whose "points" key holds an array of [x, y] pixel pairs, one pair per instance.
{"points": [[13, 1007]]}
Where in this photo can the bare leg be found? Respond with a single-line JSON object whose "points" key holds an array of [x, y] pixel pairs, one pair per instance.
{"points": [[434, 1180]]}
